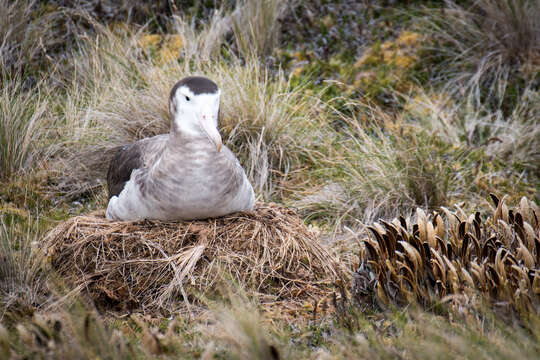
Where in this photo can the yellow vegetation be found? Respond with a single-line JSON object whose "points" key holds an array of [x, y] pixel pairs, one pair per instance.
{"points": [[166, 47], [13, 210], [400, 53], [149, 41]]}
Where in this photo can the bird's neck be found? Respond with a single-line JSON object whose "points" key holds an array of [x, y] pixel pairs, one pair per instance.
{"points": [[182, 142]]}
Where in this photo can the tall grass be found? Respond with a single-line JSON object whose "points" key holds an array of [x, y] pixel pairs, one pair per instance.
{"points": [[435, 152], [513, 139], [383, 164], [270, 124], [26, 34], [256, 25], [23, 127], [490, 49], [22, 280], [404, 168]]}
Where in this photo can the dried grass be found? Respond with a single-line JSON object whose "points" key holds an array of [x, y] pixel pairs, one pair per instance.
{"points": [[462, 262], [153, 265], [24, 127], [256, 25], [386, 169], [25, 34], [22, 281], [513, 138]]}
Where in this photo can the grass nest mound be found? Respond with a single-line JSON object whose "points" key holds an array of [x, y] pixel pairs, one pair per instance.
{"points": [[153, 265]]}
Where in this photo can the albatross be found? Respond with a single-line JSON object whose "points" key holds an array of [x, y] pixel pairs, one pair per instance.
{"points": [[186, 174]]}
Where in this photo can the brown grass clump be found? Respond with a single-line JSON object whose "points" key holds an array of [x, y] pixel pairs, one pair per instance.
{"points": [[153, 265], [431, 261]]}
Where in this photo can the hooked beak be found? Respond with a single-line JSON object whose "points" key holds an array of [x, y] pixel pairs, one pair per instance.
{"points": [[210, 130]]}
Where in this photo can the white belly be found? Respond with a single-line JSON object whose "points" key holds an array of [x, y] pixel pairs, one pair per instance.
{"points": [[198, 201]]}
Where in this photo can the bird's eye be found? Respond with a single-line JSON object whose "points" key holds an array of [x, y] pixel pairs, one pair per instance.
{"points": [[187, 98]]}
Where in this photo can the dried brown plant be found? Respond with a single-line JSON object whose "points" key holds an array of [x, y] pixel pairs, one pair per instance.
{"points": [[431, 261], [158, 265]]}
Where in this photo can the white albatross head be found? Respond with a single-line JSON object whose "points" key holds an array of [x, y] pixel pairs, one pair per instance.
{"points": [[194, 107]]}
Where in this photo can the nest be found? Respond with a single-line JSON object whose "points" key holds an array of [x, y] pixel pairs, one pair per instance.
{"points": [[151, 265]]}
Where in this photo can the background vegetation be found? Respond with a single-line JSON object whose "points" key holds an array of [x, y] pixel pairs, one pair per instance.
{"points": [[352, 112]]}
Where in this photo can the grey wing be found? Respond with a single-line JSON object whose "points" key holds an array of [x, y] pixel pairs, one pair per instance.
{"points": [[236, 175], [131, 157]]}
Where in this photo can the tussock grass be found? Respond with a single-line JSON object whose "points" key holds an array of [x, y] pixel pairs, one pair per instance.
{"points": [[402, 167], [207, 41], [118, 95], [256, 25], [516, 139], [24, 126], [251, 28], [22, 281], [110, 88], [490, 48], [270, 124], [391, 166], [512, 139], [435, 152], [24, 35]]}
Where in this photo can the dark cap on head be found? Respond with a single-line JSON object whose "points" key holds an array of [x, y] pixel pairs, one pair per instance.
{"points": [[197, 85]]}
